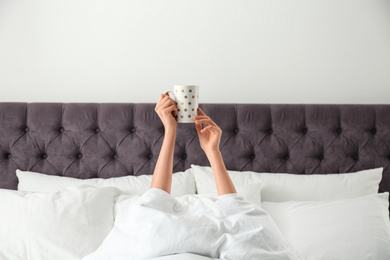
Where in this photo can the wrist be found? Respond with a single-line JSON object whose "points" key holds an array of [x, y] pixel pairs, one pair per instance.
{"points": [[170, 130], [213, 153]]}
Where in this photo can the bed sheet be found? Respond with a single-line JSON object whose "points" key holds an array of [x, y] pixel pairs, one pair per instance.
{"points": [[186, 256]]}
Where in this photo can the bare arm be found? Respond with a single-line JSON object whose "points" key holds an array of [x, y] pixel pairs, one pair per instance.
{"points": [[209, 138], [162, 175], [221, 176]]}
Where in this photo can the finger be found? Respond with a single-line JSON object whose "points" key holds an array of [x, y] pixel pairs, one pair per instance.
{"points": [[198, 127], [161, 96], [164, 102], [160, 101], [175, 110], [210, 129], [196, 117], [207, 122], [165, 98], [167, 103], [200, 112], [170, 109]]}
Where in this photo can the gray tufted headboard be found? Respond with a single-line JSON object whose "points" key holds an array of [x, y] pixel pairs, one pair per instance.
{"points": [[90, 140]]}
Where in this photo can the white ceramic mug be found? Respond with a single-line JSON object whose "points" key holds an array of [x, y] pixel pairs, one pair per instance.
{"points": [[186, 98]]}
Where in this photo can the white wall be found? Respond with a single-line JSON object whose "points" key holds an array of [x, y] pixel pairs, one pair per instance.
{"points": [[241, 51]]}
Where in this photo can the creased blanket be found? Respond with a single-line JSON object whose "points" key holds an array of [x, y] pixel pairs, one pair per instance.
{"points": [[223, 227]]}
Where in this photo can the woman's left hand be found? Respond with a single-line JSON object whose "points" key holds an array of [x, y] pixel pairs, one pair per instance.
{"points": [[210, 136]]}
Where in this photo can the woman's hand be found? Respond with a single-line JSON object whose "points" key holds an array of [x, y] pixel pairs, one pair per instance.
{"points": [[166, 109], [210, 136]]}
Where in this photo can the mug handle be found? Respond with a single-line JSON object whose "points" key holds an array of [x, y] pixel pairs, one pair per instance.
{"points": [[170, 93]]}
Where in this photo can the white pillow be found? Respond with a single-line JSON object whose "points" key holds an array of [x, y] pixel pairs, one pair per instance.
{"points": [[345, 229], [248, 187], [63, 225], [182, 182], [247, 184], [286, 187]]}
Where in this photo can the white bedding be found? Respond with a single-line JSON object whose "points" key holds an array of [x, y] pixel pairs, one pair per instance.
{"points": [[279, 187], [159, 226], [64, 225], [351, 229], [185, 256]]}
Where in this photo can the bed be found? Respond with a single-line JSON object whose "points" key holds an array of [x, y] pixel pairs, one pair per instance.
{"points": [[112, 140]]}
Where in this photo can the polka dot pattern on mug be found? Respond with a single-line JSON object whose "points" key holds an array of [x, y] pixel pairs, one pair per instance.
{"points": [[187, 102]]}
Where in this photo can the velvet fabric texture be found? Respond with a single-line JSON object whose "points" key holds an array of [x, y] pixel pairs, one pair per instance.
{"points": [[91, 140]]}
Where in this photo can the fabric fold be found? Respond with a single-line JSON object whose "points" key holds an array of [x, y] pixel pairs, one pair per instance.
{"points": [[222, 227]]}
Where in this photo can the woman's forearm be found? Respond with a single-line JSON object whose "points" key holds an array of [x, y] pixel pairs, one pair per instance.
{"points": [[221, 176], [162, 176]]}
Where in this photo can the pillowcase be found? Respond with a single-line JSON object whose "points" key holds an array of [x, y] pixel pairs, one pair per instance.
{"points": [[344, 229], [247, 185], [182, 183], [63, 225], [287, 187]]}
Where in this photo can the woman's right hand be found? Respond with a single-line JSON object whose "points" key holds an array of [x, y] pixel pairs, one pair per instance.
{"points": [[166, 109], [210, 136]]}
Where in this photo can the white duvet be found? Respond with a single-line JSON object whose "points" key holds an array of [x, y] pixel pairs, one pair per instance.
{"points": [[159, 226]]}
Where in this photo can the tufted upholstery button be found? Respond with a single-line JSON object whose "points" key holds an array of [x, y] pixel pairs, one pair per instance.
{"points": [[253, 156], [321, 157], [44, 156], [8, 156], [132, 130], [150, 156], [184, 156], [80, 155], [115, 156], [355, 157], [285, 157], [270, 131], [388, 157], [373, 131], [236, 131], [26, 129], [62, 129], [97, 130], [304, 130], [338, 130]]}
